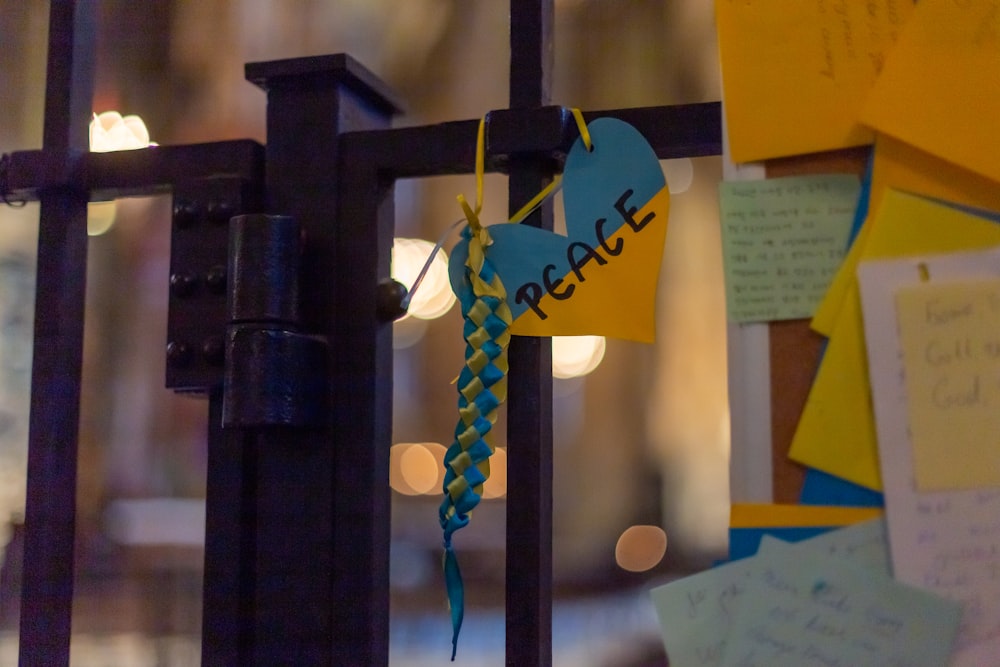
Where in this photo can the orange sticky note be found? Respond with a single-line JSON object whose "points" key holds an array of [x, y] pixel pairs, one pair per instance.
{"points": [[940, 87], [756, 515], [795, 74], [902, 166], [836, 431]]}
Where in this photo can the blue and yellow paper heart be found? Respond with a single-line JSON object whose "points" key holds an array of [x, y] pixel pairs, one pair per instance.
{"points": [[599, 279]]}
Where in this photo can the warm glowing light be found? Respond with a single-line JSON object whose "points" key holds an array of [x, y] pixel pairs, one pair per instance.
{"points": [[416, 468], [100, 217], [396, 478], [433, 297], [575, 356], [496, 485], [109, 131], [438, 452], [407, 332], [640, 548]]}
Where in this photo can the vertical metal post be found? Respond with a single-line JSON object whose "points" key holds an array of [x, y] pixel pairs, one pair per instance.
{"points": [[50, 512], [226, 636], [529, 412], [362, 414], [322, 497]]}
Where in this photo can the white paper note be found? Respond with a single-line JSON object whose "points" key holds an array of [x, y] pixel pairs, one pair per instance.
{"points": [[945, 541]]}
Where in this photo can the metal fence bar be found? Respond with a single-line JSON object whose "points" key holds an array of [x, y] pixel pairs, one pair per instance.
{"points": [[50, 511], [529, 416]]}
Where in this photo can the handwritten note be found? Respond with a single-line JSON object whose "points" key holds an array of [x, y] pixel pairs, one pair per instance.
{"points": [[945, 541], [783, 240], [864, 544], [798, 611], [696, 612], [951, 348], [809, 63], [946, 65]]}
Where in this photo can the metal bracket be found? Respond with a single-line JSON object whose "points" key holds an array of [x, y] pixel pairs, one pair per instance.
{"points": [[199, 242]]}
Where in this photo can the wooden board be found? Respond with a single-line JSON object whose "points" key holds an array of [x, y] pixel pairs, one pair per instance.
{"points": [[795, 348]]}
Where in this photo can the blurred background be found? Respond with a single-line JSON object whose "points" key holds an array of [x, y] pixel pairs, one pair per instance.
{"points": [[641, 431]]}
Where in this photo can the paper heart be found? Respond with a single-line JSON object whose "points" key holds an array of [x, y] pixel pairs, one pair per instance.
{"points": [[601, 277]]}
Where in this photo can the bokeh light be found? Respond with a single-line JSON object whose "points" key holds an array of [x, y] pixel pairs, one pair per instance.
{"points": [[640, 548], [575, 356], [496, 485], [433, 298], [110, 131]]}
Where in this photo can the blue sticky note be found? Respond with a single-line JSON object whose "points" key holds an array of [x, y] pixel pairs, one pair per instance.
{"points": [[864, 200], [822, 488], [743, 542]]}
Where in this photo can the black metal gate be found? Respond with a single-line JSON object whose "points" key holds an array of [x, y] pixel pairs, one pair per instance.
{"points": [[298, 502]]}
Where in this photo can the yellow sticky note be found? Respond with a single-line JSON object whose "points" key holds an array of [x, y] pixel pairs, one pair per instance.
{"points": [[950, 334], [940, 87], [795, 74], [901, 166], [825, 317], [836, 432]]}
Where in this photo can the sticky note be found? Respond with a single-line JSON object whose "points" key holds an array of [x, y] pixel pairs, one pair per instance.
{"points": [[819, 488], [939, 89], [742, 515], [836, 431], [950, 333], [900, 166], [799, 610], [783, 240], [810, 65]]}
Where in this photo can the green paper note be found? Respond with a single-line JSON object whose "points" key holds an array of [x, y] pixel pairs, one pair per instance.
{"points": [[802, 608], [783, 240], [696, 612]]}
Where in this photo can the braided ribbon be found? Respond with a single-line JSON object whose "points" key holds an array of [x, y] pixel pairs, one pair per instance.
{"points": [[482, 388], [482, 383]]}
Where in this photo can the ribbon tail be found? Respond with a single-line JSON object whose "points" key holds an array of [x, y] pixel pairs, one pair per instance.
{"points": [[456, 595]]}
